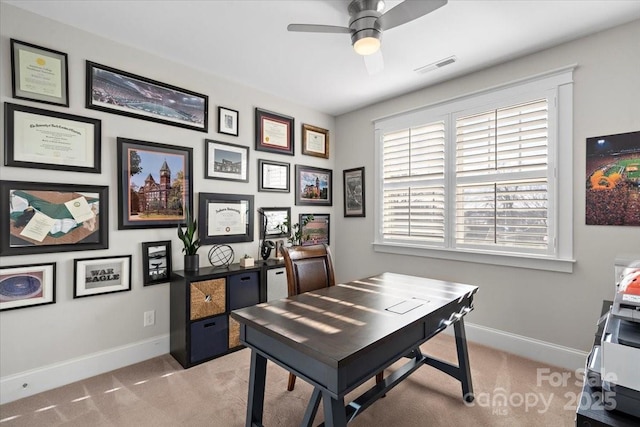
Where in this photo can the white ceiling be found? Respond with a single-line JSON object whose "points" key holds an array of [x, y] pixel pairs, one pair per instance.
{"points": [[248, 42]]}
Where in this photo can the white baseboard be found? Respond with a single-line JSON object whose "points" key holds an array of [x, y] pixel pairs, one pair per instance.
{"points": [[28, 383], [56, 375], [541, 351]]}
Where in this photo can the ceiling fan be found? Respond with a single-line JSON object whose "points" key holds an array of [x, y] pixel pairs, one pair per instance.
{"points": [[367, 22]]}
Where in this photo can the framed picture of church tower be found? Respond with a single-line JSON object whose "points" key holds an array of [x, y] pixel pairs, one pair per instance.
{"points": [[154, 184]]}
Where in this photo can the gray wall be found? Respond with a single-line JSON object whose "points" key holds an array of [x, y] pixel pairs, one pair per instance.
{"points": [[37, 337], [557, 308]]}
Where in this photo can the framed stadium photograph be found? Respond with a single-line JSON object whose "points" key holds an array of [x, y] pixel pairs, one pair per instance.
{"points": [[155, 184], [43, 217], [119, 92], [314, 229], [27, 285]]}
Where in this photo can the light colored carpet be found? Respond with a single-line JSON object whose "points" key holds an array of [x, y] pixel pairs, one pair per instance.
{"points": [[510, 392]]}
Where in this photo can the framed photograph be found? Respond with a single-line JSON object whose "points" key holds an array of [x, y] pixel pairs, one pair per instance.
{"points": [[156, 262], [104, 275], [39, 74], [274, 132], [228, 121], [613, 179], [118, 92], [27, 285], [315, 141], [225, 218], [353, 181], [38, 217], [226, 161], [315, 231], [42, 139], [273, 176], [272, 219], [313, 186], [154, 184]]}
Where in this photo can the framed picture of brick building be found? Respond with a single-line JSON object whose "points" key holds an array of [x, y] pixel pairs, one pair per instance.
{"points": [[154, 184]]}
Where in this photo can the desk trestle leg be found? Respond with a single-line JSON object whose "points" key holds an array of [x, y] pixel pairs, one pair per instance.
{"points": [[257, 380]]}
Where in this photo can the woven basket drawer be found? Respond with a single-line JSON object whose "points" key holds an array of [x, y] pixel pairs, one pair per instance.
{"points": [[208, 298], [234, 333]]}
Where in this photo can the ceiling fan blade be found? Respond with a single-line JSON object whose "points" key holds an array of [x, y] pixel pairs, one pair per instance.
{"points": [[374, 63], [314, 28], [407, 11]]}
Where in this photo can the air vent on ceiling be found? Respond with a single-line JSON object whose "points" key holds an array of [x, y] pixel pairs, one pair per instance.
{"points": [[438, 64]]}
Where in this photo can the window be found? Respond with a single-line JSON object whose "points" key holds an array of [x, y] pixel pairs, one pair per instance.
{"points": [[481, 175]]}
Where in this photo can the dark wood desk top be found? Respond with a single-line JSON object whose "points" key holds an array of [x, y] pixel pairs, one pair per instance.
{"points": [[334, 325]]}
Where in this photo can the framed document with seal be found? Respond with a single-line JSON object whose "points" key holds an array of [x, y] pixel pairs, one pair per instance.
{"points": [[44, 139], [39, 74], [315, 141], [274, 132], [225, 218]]}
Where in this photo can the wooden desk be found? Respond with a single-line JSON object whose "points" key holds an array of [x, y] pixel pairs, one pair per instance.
{"points": [[339, 337]]}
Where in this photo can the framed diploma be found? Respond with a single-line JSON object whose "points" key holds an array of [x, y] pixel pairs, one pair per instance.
{"points": [[44, 139], [274, 132], [225, 218], [39, 74], [273, 176], [39, 217], [27, 285], [315, 141]]}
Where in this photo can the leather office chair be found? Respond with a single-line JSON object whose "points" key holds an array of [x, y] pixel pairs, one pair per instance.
{"points": [[309, 268]]}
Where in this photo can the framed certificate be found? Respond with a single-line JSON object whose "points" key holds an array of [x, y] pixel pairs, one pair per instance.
{"points": [[225, 218], [274, 132], [39, 74], [44, 139], [273, 176], [315, 141]]}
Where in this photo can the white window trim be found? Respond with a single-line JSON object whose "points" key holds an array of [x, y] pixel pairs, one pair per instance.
{"points": [[559, 80]]}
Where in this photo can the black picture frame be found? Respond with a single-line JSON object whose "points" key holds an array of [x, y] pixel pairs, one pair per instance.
{"points": [[273, 177], [225, 218], [27, 285], [315, 231], [228, 121], [225, 161], [145, 202], [274, 132], [31, 210], [128, 101], [354, 192], [156, 262], [101, 275], [272, 218], [43, 139], [314, 186], [39, 74]]}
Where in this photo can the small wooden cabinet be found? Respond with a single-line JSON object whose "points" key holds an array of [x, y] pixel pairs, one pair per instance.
{"points": [[200, 303]]}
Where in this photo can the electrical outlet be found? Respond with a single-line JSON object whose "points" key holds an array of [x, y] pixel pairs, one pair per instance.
{"points": [[149, 318]]}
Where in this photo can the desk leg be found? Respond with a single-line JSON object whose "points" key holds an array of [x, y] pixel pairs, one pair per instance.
{"points": [[257, 379], [335, 414], [463, 360]]}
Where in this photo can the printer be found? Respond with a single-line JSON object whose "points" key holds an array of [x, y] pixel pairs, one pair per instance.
{"points": [[620, 345]]}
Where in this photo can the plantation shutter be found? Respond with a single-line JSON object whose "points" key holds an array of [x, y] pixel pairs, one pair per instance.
{"points": [[501, 178], [413, 184]]}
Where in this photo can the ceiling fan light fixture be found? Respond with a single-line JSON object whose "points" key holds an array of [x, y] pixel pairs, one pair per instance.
{"points": [[367, 46]]}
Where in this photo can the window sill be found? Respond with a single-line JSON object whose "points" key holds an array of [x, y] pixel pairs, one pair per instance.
{"points": [[521, 261]]}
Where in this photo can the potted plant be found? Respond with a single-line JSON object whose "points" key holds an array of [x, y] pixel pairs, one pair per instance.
{"points": [[246, 261], [296, 237], [190, 241]]}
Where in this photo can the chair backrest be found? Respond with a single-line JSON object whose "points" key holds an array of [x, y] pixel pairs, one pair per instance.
{"points": [[308, 268]]}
